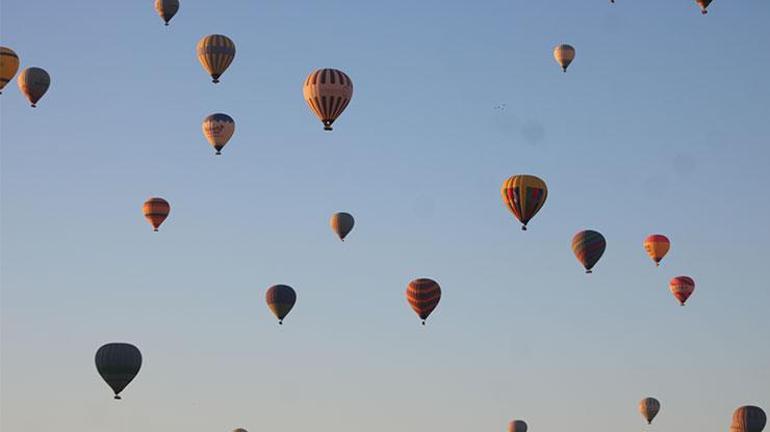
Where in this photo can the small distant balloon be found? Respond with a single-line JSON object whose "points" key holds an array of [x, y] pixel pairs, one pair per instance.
{"points": [[649, 408], [423, 295], [9, 65], [342, 223], [118, 364], [156, 210], [166, 9], [517, 426], [657, 246], [564, 54], [280, 299], [240, 430], [524, 195], [33, 83], [588, 246], [327, 92], [682, 288], [748, 418], [703, 4], [218, 129], [215, 53]]}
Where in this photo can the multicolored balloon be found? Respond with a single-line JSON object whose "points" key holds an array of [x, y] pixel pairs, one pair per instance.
{"points": [[33, 83], [524, 195], [342, 223], [657, 247], [218, 129], [682, 287], [166, 9], [748, 418], [118, 364], [649, 408], [156, 210], [280, 299], [564, 54], [588, 246], [328, 92], [9, 65], [215, 53], [423, 295], [517, 426], [703, 4]]}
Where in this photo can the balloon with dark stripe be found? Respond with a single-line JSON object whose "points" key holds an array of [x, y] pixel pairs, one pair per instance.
{"points": [[118, 364], [517, 426], [166, 9], [748, 418], [588, 246], [423, 295], [33, 83], [215, 53], [156, 210], [524, 195], [280, 299], [682, 288], [649, 408], [328, 92], [342, 223]]}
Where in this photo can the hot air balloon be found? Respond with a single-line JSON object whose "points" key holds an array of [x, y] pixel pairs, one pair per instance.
{"points": [[564, 54], [240, 430], [166, 9], [423, 295], [682, 287], [524, 195], [588, 246], [9, 65], [33, 83], [649, 408], [118, 364], [517, 426], [327, 92], [280, 299], [657, 246], [156, 210], [342, 223], [216, 52], [748, 418], [704, 4], [218, 129]]}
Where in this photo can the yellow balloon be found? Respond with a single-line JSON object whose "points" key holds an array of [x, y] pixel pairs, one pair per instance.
{"points": [[564, 54], [9, 65]]}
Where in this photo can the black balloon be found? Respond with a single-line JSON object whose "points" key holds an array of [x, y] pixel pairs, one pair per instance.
{"points": [[118, 364]]}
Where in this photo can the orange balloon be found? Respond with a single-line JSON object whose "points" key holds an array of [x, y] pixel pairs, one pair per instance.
{"points": [[156, 210], [682, 287], [657, 247]]}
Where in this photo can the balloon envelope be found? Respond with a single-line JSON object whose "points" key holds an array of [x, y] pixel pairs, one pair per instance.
{"points": [[748, 418], [703, 4], [517, 426], [9, 65], [649, 408], [342, 223], [657, 247], [166, 9], [280, 299], [682, 288], [218, 129], [564, 54], [215, 53], [588, 246], [524, 195], [156, 210], [423, 296], [118, 364], [33, 83], [327, 92]]}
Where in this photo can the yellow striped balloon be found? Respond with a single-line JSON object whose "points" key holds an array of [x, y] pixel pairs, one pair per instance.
{"points": [[564, 54], [166, 9], [524, 195], [327, 92], [215, 52], [9, 65], [33, 83]]}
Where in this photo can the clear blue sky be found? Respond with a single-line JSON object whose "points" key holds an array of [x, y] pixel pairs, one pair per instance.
{"points": [[660, 126]]}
